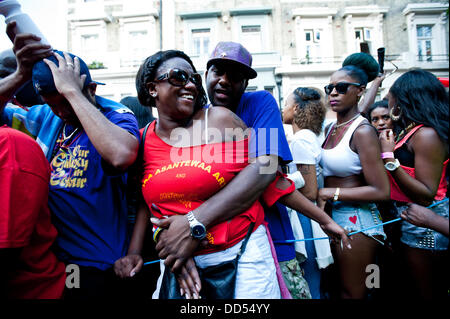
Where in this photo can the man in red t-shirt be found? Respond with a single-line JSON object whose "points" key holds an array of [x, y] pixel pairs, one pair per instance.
{"points": [[28, 268]]}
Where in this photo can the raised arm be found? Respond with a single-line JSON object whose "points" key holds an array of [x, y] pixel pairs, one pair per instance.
{"points": [[370, 95], [28, 50], [116, 145], [429, 156]]}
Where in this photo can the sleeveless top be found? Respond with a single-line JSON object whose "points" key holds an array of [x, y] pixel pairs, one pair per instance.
{"points": [[396, 192], [177, 180], [341, 160]]}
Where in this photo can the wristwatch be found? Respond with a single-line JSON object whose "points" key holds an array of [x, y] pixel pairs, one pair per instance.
{"points": [[198, 230], [392, 166]]}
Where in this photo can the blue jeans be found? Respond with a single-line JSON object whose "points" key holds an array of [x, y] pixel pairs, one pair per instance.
{"points": [[424, 238], [354, 216]]}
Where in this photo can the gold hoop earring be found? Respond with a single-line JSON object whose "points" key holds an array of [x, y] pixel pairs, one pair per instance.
{"points": [[394, 117]]}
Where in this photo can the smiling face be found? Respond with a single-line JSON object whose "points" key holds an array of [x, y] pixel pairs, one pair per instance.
{"points": [[379, 117], [344, 102], [225, 84], [174, 102]]}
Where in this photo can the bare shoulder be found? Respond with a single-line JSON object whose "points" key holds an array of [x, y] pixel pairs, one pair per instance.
{"points": [[365, 130], [227, 123], [221, 118], [427, 139]]}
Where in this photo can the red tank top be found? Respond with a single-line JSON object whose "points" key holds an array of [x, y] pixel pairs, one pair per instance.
{"points": [[396, 192], [179, 179]]}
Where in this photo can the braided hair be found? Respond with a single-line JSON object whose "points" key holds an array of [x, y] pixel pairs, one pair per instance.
{"points": [[147, 72]]}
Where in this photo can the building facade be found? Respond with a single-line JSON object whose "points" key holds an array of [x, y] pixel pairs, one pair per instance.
{"points": [[293, 43]]}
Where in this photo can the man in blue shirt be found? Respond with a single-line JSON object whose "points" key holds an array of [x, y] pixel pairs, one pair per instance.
{"points": [[90, 142], [228, 72]]}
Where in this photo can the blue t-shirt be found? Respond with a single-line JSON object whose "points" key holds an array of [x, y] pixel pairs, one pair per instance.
{"points": [[259, 110], [88, 202], [86, 198]]}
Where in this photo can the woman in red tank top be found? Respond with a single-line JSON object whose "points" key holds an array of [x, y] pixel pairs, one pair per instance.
{"points": [[417, 171], [190, 153]]}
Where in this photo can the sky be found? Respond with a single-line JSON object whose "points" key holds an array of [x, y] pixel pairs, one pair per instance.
{"points": [[48, 15]]}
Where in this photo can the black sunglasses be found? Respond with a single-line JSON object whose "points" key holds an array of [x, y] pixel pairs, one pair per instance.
{"points": [[232, 74], [178, 77], [340, 87]]}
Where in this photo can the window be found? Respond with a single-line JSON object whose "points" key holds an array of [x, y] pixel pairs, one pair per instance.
{"points": [[251, 36], [312, 45], [316, 36], [137, 43], [89, 42], [251, 88], [308, 35], [363, 37], [424, 39], [201, 39]]}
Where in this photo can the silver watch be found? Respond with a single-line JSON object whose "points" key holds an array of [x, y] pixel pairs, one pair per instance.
{"points": [[198, 230], [392, 166]]}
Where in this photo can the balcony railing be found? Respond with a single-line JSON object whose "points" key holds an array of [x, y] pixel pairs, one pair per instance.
{"points": [[432, 58]]}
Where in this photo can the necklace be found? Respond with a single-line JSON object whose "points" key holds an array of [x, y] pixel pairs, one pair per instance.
{"points": [[65, 138], [404, 131], [337, 140], [336, 126]]}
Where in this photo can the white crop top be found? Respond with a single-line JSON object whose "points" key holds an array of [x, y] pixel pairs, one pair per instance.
{"points": [[341, 160]]}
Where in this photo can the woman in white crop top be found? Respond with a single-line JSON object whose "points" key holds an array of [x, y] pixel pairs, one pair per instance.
{"points": [[355, 178]]}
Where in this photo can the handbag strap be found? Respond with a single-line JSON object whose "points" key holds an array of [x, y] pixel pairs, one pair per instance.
{"points": [[141, 146], [244, 243]]}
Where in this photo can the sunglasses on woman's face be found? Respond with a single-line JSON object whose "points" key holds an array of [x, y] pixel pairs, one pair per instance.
{"points": [[178, 77], [340, 87]]}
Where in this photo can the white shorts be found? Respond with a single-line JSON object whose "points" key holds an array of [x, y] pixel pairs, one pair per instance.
{"points": [[256, 275]]}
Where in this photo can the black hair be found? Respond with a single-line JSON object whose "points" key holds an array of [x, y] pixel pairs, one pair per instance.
{"points": [[423, 100], [147, 72], [143, 114], [361, 66], [310, 112]]}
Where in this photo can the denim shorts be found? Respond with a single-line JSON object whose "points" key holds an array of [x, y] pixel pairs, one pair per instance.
{"points": [[424, 238], [354, 216]]}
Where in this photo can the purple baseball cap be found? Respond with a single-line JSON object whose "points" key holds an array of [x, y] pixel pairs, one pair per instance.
{"points": [[234, 53]]}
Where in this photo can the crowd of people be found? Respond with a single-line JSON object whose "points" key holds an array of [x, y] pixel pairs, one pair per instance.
{"points": [[210, 200]]}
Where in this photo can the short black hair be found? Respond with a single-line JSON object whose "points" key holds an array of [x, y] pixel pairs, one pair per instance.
{"points": [[147, 72]]}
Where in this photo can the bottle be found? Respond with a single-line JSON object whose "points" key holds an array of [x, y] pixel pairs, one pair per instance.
{"points": [[12, 11]]}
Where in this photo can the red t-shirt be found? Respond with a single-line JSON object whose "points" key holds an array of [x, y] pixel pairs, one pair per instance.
{"points": [[178, 180], [25, 218]]}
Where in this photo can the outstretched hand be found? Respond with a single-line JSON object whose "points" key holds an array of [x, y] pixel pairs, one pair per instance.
{"points": [[337, 234]]}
